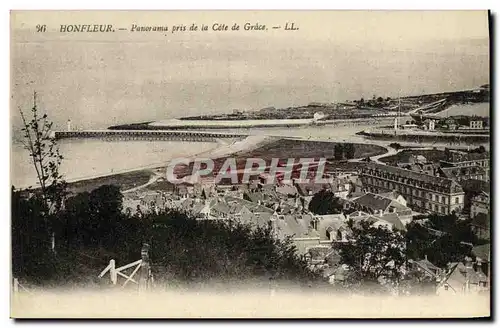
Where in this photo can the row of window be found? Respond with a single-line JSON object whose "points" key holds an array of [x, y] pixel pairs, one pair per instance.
{"points": [[391, 185], [437, 208], [419, 203], [409, 191], [484, 163]]}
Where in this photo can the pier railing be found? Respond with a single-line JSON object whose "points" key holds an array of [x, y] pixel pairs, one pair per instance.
{"points": [[147, 135]]}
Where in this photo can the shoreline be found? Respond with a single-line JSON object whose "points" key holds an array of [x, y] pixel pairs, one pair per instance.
{"points": [[226, 150]]}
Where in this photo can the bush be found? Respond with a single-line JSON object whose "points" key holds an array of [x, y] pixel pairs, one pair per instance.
{"points": [[395, 145]]}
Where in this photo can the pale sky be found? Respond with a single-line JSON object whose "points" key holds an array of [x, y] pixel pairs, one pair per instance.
{"points": [[102, 79]]}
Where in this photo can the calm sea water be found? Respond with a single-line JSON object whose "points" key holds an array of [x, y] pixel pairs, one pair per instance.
{"points": [[87, 157]]}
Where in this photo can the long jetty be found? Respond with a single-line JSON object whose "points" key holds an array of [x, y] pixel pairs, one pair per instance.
{"points": [[200, 136]]}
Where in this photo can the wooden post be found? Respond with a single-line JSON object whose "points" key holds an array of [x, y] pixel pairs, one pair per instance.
{"points": [[112, 271], [53, 242], [144, 278], [16, 286]]}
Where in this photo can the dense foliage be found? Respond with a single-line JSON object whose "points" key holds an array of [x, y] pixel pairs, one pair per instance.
{"points": [[442, 238], [373, 254], [91, 229], [325, 202]]}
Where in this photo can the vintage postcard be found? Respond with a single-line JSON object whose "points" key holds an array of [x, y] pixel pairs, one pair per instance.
{"points": [[250, 164]]}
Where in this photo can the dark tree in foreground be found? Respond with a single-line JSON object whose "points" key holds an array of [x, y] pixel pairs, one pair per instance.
{"points": [[39, 206], [325, 202], [200, 251], [442, 238], [93, 230], [374, 255]]}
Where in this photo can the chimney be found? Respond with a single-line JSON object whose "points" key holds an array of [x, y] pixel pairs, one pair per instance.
{"points": [[468, 262]]}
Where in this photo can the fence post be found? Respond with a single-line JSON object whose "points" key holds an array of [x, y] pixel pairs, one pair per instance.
{"points": [[112, 271], [144, 278], [53, 242], [16, 286]]}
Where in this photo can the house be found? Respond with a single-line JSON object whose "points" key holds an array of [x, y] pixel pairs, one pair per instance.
{"points": [[394, 195], [181, 190], [476, 124], [464, 173], [423, 192], [378, 204], [483, 257], [308, 230], [337, 274], [390, 221], [332, 227], [287, 190], [450, 123], [429, 124], [220, 210], [322, 254], [341, 187], [462, 159], [480, 204], [356, 189], [427, 270], [462, 278], [201, 209], [310, 189], [267, 197]]}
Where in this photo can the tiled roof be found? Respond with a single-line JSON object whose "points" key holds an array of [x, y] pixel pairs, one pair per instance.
{"points": [[319, 252], [304, 188], [286, 190], [482, 251], [454, 172], [394, 220], [427, 266], [391, 218], [334, 222], [267, 196], [254, 207], [460, 274], [391, 195], [295, 225], [198, 208], [221, 207], [373, 201]]}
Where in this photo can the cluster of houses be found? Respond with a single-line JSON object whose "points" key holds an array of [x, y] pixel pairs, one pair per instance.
{"points": [[432, 123], [383, 195]]}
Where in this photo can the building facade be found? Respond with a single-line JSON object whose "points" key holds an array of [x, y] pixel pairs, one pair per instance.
{"points": [[459, 159], [480, 204], [476, 124], [423, 192]]}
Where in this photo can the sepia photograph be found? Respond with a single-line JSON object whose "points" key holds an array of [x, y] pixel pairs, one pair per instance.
{"points": [[250, 164]]}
